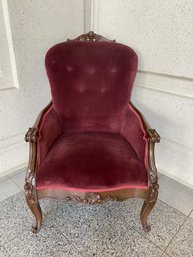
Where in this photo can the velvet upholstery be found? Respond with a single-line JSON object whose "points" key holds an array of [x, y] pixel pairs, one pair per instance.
{"points": [[92, 161], [49, 130], [90, 139], [132, 130], [91, 84]]}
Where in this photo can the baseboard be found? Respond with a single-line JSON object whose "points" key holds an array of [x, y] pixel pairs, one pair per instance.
{"points": [[13, 154], [13, 170], [181, 181]]}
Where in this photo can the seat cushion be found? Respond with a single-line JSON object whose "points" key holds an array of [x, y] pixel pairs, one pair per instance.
{"points": [[91, 162]]}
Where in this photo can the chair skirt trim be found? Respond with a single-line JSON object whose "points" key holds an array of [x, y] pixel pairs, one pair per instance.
{"points": [[93, 197]]}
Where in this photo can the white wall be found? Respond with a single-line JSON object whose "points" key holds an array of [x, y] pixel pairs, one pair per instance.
{"points": [[161, 32], [34, 26]]}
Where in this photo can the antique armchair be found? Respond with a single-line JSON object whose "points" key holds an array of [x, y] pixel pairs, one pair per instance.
{"points": [[91, 144]]}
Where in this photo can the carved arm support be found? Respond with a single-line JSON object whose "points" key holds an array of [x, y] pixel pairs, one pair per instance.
{"points": [[152, 137], [43, 134], [32, 137]]}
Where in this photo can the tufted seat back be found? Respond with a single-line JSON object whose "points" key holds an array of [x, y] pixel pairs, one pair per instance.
{"points": [[91, 84]]}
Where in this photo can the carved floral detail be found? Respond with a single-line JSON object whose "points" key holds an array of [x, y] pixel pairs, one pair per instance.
{"points": [[153, 136], [153, 192], [91, 36], [31, 135], [29, 187], [91, 198]]}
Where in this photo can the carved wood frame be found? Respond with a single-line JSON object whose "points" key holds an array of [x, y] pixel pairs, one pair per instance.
{"points": [[149, 195]]}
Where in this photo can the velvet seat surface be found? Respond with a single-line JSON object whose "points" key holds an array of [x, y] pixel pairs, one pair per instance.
{"points": [[92, 161]]}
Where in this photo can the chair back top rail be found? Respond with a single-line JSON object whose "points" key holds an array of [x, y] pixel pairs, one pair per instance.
{"points": [[91, 36]]}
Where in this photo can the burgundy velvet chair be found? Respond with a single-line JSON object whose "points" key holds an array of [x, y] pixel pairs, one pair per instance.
{"points": [[90, 144]]}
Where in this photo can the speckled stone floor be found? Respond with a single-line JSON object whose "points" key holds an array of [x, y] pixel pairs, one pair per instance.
{"points": [[109, 230]]}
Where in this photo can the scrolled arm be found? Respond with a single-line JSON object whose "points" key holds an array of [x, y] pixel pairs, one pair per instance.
{"points": [[32, 135], [42, 135], [152, 137]]}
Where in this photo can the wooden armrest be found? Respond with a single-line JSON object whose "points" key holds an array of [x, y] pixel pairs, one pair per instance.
{"points": [[152, 137], [151, 134], [32, 134], [32, 137]]}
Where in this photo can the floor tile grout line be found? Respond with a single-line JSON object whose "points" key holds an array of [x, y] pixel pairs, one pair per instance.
{"points": [[34, 235], [133, 228], [176, 234], [22, 189], [190, 214], [9, 240], [80, 252], [148, 239], [54, 224], [66, 237], [165, 254], [10, 196], [17, 172], [57, 226], [172, 207], [70, 240], [186, 217]]}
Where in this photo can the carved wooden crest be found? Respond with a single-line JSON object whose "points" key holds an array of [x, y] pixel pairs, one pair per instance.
{"points": [[91, 36]]}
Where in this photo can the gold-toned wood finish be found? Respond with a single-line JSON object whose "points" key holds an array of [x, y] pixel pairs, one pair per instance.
{"points": [[149, 195]]}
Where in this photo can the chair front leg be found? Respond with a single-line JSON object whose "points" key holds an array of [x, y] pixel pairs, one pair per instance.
{"points": [[30, 191], [148, 206], [152, 137], [32, 202]]}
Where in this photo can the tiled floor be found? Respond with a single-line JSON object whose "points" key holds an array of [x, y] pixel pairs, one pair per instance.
{"points": [[112, 229]]}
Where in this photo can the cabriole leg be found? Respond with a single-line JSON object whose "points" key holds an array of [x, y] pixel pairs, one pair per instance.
{"points": [[148, 206], [36, 210], [34, 206]]}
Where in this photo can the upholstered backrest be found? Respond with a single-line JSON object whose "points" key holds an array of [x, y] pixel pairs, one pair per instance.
{"points": [[91, 84]]}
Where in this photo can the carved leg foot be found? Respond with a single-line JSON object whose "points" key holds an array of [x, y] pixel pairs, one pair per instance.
{"points": [[32, 201], [36, 210], [146, 209], [144, 214]]}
